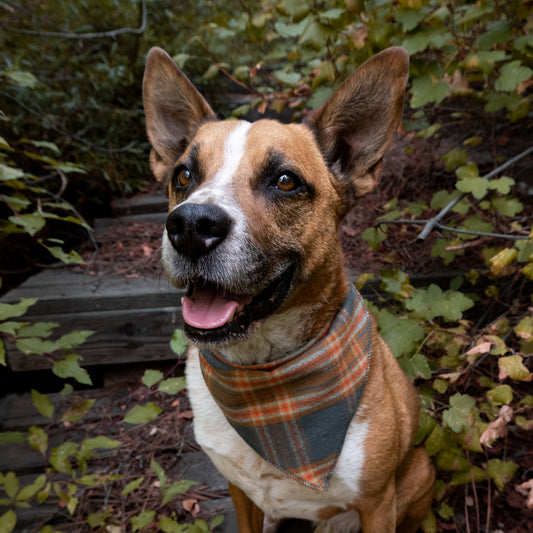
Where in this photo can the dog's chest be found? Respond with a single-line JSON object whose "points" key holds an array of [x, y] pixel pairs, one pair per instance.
{"points": [[273, 491]]}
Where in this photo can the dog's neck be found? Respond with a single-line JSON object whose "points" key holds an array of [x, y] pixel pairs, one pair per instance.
{"points": [[294, 325]]}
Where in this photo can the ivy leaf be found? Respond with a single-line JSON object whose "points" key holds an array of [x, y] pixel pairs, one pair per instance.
{"points": [[509, 207], [77, 412], [459, 415], [290, 79], [8, 521], [141, 414], [498, 33], [38, 439], [18, 309], [434, 302], [42, 403], [409, 18], [71, 257], [500, 395], [151, 377], [69, 367], [31, 224], [132, 485], [178, 343], [500, 472], [175, 489], [9, 437], [172, 385], [425, 91], [511, 74], [502, 185], [374, 236], [513, 366], [142, 520]]}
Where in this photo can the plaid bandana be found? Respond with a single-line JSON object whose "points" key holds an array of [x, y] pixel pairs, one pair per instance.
{"points": [[295, 412]]}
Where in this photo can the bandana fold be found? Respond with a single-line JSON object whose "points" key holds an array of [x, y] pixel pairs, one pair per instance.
{"points": [[295, 412]]}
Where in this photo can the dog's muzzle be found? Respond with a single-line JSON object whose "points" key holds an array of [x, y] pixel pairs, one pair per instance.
{"points": [[230, 283]]}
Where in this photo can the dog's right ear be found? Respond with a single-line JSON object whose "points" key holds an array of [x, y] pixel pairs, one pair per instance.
{"points": [[174, 110]]}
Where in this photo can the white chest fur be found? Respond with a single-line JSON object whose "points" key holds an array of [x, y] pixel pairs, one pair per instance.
{"points": [[275, 493]]}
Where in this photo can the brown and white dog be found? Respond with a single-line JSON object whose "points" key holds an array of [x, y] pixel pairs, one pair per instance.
{"points": [[252, 235]]}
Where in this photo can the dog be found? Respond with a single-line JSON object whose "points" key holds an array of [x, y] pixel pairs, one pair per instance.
{"points": [[296, 398]]}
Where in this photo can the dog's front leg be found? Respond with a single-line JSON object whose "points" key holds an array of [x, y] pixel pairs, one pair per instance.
{"points": [[379, 514], [249, 517]]}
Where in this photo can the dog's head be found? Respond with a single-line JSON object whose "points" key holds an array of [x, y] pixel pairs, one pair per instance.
{"points": [[254, 208]]}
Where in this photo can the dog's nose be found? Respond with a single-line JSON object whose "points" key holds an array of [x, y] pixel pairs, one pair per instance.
{"points": [[196, 229]]}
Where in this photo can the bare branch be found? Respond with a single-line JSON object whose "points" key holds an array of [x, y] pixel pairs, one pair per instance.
{"points": [[96, 35]]}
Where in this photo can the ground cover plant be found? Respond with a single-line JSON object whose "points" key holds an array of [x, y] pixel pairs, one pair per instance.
{"points": [[72, 134]]}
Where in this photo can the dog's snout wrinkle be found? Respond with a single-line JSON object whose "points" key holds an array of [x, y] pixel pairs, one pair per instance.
{"points": [[196, 229]]}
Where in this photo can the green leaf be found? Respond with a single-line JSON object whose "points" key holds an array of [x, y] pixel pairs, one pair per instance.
{"points": [[159, 472], [73, 339], [502, 185], [511, 74], [290, 79], [3, 361], [141, 414], [13, 310], [425, 91], [37, 329], [77, 412], [178, 343], [11, 484], [502, 259], [415, 366], [132, 485], [142, 520], [42, 403], [167, 525], [98, 519], [454, 158], [172, 385], [8, 521], [401, 334], [497, 101], [38, 439], [47, 145], [509, 207], [500, 395], [70, 368], [22, 78], [374, 236], [10, 437], [409, 18], [459, 416], [501, 472], [61, 456], [71, 257], [100, 442], [9, 173], [416, 43], [434, 302], [175, 489], [498, 33], [151, 377], [513, 367], [31, 224], [31, 490]]}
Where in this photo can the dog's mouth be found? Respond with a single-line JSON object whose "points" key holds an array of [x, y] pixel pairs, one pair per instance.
{"points": [[215, 315]]}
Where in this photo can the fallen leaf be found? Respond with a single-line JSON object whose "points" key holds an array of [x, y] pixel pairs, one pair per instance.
{"points": [[191, 506], [186, 414], [526, 489], [497, 429], [147, 250], [482, 348]]}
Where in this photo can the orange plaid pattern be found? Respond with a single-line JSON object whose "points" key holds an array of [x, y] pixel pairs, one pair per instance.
{"points": [[295, 412]]}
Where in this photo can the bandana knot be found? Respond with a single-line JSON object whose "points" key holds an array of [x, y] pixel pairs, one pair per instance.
{"points": [[295, 412]]}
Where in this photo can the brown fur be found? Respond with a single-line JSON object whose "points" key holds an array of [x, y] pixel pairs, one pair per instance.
{"points": [[338, 152]]}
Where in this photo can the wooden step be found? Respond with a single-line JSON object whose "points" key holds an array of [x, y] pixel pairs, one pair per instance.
{"points": [[133, 319]]}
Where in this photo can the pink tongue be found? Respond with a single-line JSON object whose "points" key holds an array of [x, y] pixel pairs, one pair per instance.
{"points": [[208, 309]]}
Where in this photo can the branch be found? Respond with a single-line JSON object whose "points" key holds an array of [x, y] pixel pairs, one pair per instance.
{"points": [[440, 226], [97, 35], [434, 222]]}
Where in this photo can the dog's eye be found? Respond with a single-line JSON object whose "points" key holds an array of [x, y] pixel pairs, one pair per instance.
{"points": [[287, 182], [182, 176]]}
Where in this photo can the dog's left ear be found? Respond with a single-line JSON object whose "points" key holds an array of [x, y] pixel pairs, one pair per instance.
{"points": [[174, 110], [356, 125]]}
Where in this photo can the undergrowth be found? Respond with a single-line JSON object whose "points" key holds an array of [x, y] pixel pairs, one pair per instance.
{"points": [[72, 123]]}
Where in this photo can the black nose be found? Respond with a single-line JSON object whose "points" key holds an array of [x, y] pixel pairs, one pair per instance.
{"points": [[196, 229]]}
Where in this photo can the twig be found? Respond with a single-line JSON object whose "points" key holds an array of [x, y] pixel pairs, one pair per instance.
{"points": [[432, 223], [95, 35], [440, 226]]}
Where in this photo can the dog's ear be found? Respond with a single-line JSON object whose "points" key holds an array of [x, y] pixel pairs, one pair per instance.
{"points": [[174, 110], [356, 125]]}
